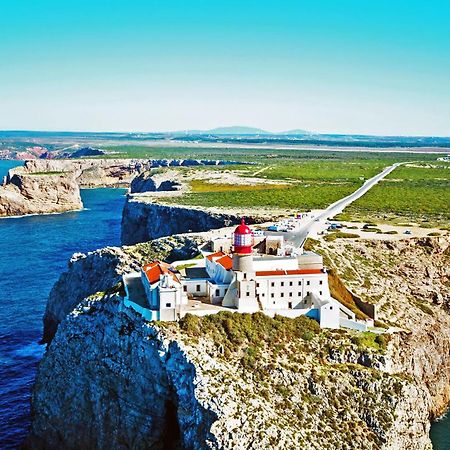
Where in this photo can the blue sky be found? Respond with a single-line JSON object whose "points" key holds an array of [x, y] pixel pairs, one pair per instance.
{"points": [[375, 67]]}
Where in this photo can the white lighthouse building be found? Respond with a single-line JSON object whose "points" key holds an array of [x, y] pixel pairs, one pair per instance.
{"points": [[241, 281]]}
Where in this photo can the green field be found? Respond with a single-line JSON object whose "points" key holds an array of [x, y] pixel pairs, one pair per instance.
{"points": [[415, 193], [298, 196], [418, 194], [316, 179], [262, 155]]}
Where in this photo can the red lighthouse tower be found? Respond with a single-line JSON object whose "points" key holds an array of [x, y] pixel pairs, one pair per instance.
{"points": [[243, 240]]}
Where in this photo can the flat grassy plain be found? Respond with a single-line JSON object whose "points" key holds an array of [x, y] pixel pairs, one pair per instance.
{"points": [[295, 197], [419, 192], [416, 193]]}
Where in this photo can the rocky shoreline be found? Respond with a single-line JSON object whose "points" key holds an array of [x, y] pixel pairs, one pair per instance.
{"points": [[144, 219], [47, 186], [112, 172], [24, 193], [112, 380], [125, 382]]}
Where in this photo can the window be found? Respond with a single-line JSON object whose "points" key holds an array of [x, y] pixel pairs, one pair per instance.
{"points": [[331, 308], [263, 295], [257, 284], [307, 293], [321, 282], [299, 294], [217, 292], [198, 287], [272, 295], [282, 294], [245, 276], [308, 283], [272, 284], [290, 283], [184, 288], [290, 305], [290, 294], [274, 302], [282, 283], [247, 294], [168, 305], [320, 292], [299, 283]]}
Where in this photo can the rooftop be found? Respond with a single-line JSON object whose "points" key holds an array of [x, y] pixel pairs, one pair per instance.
{"points": [[226, 262], [215, 255], [196, 272], [155, 269]]}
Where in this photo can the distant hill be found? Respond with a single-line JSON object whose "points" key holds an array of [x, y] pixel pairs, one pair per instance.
{"points": [[236, 130], [241, 130]]}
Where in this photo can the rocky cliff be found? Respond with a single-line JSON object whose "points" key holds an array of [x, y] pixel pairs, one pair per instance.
{"points": [[110, 172], [143, 219], [103, 269], [23, 193], [111, 380], [152, 181], [409, 282]]}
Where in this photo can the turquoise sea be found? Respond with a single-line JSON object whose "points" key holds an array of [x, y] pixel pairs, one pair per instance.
{"points": [[33, 252]]}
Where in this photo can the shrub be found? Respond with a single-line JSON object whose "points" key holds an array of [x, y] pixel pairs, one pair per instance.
{"points": [[340, 234], [368, 339], [232, 331]]}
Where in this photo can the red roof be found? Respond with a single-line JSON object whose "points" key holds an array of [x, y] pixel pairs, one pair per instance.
{"points": [[242, 228], [155, 269], [226, 262], [269, 273], [215, 255]]}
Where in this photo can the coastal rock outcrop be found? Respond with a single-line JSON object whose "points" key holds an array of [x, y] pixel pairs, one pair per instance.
{"points": [[111, 380], [151, 181], [102, 270], [143, 219], [38, 193], [409, 281], [110, 172]]}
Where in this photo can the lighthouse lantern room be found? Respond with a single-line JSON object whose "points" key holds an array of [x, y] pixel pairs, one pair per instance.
{"points": [[243, 239]]}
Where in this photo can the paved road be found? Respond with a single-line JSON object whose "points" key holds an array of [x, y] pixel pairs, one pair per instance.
{"points": [[298, 237]]}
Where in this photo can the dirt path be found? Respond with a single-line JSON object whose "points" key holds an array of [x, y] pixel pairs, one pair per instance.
{"points": [[261, 171]]}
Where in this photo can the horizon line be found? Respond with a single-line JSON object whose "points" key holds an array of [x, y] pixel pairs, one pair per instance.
{"points": [[313, 133]]}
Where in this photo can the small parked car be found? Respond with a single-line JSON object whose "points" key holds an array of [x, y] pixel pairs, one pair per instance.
{"points": [[407, 232]]}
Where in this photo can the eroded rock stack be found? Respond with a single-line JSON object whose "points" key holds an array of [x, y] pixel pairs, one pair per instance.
{"points": [[39, 193]]}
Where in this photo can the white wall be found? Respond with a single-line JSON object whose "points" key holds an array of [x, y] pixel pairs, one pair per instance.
{"points": [[289, 291], [268, 263], [196, 287], [329, 315]]}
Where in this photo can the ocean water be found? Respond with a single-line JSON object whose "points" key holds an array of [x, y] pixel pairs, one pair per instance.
{"points": [[33, 252]]}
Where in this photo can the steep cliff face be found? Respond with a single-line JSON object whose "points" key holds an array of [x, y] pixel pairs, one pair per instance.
{"points": [[143, 220], [111, 380], [102, 269], [409, 282], [151, 181], [91, 172], [110, 172], [24, 193]]}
